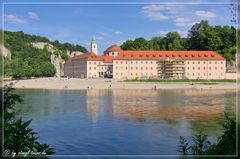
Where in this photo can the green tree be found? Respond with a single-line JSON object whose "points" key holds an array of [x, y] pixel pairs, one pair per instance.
{"points": [[18, 136], [225, 145], [174, 41], [128, 45]]}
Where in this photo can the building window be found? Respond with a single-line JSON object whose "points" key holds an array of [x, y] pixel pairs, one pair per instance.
{"points": [[146, 62], [141, 68], [215, 68], [131, 68], [136, 62], [193, 74], [116, 68], [94, 68], [210, 62], [198, 62], [136, 74], [126, 62], [193, 62], [89, 68], [151, 62], [221, 62], [90, 63], [116, 73], [131, 62], [151, 68], [188, 62], [199, 68], [193, 68], [94, 63], [215, 62], [204, 68], [221, 68], [146, 68], [136, 68], [141, 62], [121, 62], [126, 68], [210, 74], [203, 62], [188, 68], [209, 68]]}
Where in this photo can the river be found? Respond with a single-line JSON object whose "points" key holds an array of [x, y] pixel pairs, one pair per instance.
{"points": [[124, 122]]}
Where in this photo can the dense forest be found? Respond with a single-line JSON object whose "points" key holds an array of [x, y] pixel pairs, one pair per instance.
{"points": [[201, 36], [28, 61]]}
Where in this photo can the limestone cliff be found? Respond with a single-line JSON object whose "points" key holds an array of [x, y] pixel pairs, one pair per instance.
{"points": [[5, 52], [55, 58]]}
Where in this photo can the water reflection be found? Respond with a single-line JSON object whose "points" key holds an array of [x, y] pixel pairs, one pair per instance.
{"points": [[203, 105], [123, 121]]}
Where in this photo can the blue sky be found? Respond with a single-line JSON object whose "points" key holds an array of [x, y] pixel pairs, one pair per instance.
{"points": [[110, 23]]}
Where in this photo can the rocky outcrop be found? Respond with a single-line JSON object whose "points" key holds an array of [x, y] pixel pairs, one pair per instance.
{"points": [[55, 58], [5, 52], [74, 53], [231, 66]]}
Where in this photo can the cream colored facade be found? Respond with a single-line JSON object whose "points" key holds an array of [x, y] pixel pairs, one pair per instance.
{"points": [[205, 69], [130, 69], [193, 69]]}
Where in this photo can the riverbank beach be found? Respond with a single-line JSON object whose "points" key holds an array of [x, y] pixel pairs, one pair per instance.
{"points": [[77, 84]]}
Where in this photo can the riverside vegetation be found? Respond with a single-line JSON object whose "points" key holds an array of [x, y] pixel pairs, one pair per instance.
{"points": [[18, 136], [226, 143]]}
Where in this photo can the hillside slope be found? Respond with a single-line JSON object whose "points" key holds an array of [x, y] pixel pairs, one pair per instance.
{"points": [[35, 56]]}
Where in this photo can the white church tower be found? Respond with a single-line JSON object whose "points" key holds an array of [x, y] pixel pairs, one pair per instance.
{"points": [[94, 46]]}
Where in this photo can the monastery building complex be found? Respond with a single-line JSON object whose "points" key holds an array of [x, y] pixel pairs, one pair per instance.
{"points": [[131, 64]]}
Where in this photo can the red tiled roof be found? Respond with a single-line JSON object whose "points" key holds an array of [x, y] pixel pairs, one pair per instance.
{"points": [[114, 48], [92, 57], [107, 59], [82, 56], [178, 55]]}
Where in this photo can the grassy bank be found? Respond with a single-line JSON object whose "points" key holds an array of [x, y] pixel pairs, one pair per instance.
{"points": [[183, 80]]}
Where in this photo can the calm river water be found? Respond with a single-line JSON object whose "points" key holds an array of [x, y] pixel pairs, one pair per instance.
{"points": [[124, 122]]}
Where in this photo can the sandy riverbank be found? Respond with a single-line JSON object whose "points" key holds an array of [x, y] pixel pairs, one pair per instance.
{"points": [[75, 84]]}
